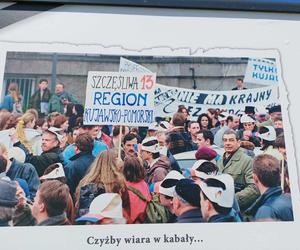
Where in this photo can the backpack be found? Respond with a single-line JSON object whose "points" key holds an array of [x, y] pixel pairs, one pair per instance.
{"points": [[87, 195], [155, 212]]}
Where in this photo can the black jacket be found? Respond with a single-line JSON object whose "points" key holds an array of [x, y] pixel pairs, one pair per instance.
{"points": [[191, 216], [221, 218], [77, 168]]}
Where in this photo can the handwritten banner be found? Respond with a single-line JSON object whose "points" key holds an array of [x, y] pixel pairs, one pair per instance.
{"points": [[261, 71], [119, 98], [167, 99]]}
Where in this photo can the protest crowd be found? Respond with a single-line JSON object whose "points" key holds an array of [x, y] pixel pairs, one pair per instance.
{"points": [[55, 170]]}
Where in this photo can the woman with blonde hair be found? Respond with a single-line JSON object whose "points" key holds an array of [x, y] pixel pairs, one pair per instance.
{"points": [[12, 101], [104, 176], [27, 121]]}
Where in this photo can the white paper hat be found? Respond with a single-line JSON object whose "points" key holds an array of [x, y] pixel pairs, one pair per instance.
{"points": [[55, 173], [107, 205], [153, 148], [167, 185], [17, 154], [218, 195], [56, 131], [269, 135], [153, 126], [247, 118], [197, 173], [164, 126]]}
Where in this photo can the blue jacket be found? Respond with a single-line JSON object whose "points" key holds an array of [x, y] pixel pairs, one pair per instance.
{"points": [[76, 169], [7, 103], [27, 172], [272, 204], [70, 150]]}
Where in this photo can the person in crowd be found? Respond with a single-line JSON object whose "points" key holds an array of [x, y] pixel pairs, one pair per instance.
{"points": [[5, 117], [102, 137], [163, 150], [50, 204], [15, 169], [274, 113], [272, 204], [205, 139], [74, 111], [166, 189], [80, 162], [60, 99], [26, 121], [129, 145], [186, 202], [193, 129], [249, 130], [93, 131], [227, 122], [135, 130], [50, 147], [40, 99], [153, 127], [51, 117], [239, 84], [204, 121], [267, 134], [213, 115], [239, 165], [183, 110], [56, 172], [177, 138], [8, 201], [62, 123], [158, 165], [134, 174], [216, 198], [278, 123], [12, 102], [41, 125], [202, 169], [105, 209], [105, 175]]}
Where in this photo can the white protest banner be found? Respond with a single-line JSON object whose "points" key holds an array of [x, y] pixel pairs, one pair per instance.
{"points": [[119, 98], [132, 67], [168, 98], [261, 71]]}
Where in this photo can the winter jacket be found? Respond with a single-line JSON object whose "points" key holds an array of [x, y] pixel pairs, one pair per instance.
{"points": [[69, 151], [36, 99], [221, 218], [56, 101], [7, 103], [158, 170], [191, 216], [77, 168], [26, 172], [272, 204], [41, 162], [240, 168]]}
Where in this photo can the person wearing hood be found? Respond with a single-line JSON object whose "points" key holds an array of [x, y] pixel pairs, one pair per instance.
{"points": [[158, 165], [60, 99]]}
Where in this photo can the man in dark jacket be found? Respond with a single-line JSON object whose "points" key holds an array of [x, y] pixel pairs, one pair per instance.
{"points": [[216, 198], [51, 151], [186, 202], [272, 204], [50, 204], [40, 99], [158, 165], [77, 168]]}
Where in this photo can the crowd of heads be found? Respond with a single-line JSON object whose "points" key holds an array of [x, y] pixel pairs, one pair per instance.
{"points": [[90, 174]]}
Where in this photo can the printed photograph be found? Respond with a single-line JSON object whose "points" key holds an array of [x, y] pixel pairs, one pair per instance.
{"points": [[89, 139]]}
